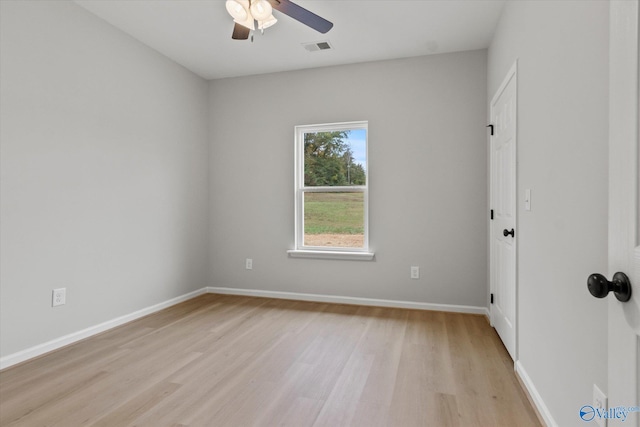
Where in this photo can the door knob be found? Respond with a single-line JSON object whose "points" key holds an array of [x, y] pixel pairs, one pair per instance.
{"points": [[505, 232], [600, 287]]}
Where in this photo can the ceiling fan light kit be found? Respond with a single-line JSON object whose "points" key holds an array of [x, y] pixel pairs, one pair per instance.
{"points": [[246, 13], [267, 23], [237, 9], [261, 10]]}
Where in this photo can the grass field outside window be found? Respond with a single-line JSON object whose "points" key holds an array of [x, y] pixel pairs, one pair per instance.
{"points": [[334, 219]]}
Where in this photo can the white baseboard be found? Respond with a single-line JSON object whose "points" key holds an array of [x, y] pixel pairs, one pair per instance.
{"points": [[57, 343], [38, 350], [351, 300], [535, 396]]}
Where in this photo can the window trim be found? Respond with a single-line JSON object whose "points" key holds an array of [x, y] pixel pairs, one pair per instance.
{"points": [[326, 252]]}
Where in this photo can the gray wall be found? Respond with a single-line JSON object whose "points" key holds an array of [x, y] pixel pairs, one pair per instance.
{"points": [[428, 193], [104, 174], [562, 48]]}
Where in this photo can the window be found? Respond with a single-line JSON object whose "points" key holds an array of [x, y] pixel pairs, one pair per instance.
{"points": [[332, 191]]}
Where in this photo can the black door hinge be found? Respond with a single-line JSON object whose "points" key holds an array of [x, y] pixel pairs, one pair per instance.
{"points": [[491, 298], [490, 126], [491, 213]]}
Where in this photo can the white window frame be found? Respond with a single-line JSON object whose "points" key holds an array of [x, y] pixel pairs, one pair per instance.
{"points": [[302, 251]]}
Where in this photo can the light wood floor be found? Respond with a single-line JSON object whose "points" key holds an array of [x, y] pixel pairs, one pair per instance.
{"points": [[239, 361]]}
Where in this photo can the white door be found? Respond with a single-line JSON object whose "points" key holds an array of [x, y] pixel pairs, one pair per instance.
{"points": [[503, 205], [624, 218]]}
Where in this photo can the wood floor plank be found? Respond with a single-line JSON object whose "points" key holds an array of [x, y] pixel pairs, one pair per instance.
{"points": [[380, 340], [106, 393], [133, 408], [253, 383], [228, 360], [301, 412], [340, 406]]}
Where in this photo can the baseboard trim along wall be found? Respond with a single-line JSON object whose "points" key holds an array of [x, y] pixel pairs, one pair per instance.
{"points": [[538, 403], [351, 300], [39, 350]]}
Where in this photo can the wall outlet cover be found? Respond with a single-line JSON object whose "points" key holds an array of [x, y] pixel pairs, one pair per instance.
{"points": [[59, 297], [600, 406]]}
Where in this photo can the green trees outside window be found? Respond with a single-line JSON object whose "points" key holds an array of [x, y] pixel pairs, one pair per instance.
{"points": [[329, 160]]}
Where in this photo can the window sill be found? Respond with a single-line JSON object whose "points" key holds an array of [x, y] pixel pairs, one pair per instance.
{"points": [[341, 255]]}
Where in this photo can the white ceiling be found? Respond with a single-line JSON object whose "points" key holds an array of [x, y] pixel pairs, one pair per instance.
{"points": [[197, 33]]}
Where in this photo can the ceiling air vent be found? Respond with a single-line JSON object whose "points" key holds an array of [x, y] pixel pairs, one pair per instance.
{"points": [[317, 46]]}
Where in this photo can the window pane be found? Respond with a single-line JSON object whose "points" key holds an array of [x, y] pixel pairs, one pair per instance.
{"points": [[334, 220], [337, 158]]}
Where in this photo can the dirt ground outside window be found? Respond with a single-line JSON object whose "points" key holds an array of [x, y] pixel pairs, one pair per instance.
{"points": [[335, 240]]}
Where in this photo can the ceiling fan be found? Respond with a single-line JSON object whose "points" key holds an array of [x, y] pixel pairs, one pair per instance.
{"points": [[247, 13]]}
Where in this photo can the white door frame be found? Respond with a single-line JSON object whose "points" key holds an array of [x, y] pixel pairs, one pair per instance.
{"points": [[512, 74], [624, 215]]}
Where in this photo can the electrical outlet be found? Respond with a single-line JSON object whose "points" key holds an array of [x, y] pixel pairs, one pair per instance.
{"points": [[59, 297], [600, 406], [415, 272], [249, 264]]}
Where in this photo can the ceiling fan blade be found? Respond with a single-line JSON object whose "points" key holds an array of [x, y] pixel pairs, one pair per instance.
{"points": [[301, 14], [240, 32]]}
